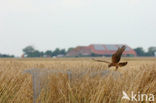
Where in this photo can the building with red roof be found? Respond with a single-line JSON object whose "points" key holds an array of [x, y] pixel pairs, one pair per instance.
{"points": [[99, 50]]}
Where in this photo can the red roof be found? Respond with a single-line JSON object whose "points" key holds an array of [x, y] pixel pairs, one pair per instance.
{"points": [[109, 49], [99, 49]]}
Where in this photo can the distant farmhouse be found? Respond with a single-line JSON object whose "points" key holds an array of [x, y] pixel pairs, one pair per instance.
{"points": [[99, 50]]}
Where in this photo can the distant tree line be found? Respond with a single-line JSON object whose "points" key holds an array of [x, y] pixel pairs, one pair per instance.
{"points": [[6, 56], [140, 51], [30, 51]]}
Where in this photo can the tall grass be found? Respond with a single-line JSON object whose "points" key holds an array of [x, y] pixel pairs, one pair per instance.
{"points": [[16, 87]]}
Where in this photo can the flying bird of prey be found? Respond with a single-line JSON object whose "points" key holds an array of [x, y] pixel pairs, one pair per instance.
{"points": [[116, 58]]}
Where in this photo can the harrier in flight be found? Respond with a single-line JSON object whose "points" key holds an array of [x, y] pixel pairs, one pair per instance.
{"points": [[116, 58]]}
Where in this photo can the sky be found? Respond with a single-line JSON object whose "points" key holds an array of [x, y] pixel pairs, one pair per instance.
{"points": [[50, 24]]}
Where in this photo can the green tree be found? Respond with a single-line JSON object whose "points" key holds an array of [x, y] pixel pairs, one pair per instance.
{"points": [[151, 51], [140, 51], [36, 53], [56, 52], [49, 53], [62, 51], [28, 50]]}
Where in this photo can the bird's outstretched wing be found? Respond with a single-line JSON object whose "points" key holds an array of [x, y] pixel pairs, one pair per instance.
{"points": [[100, 60], [117, 55], [122, 64]]}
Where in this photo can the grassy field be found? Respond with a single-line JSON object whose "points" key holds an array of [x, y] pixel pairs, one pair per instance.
{"points": [[138, 76]]}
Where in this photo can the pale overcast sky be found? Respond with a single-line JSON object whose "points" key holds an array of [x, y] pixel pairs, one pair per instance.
{"points": [[48, 24]]}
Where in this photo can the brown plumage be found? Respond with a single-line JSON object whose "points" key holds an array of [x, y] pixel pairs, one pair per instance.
{"points": [[116, 58]]}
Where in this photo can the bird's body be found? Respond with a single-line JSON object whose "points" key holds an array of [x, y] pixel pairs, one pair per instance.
{"points": [[116, 58]]}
